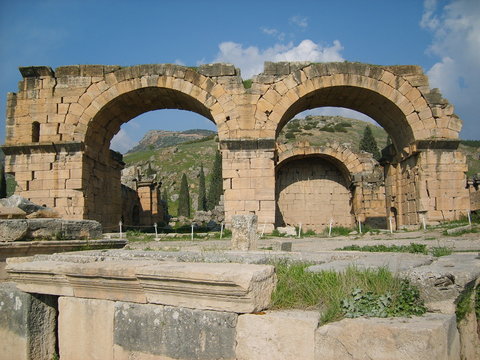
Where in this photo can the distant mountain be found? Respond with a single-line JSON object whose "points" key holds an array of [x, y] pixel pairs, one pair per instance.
{"points": [[158, 139]]}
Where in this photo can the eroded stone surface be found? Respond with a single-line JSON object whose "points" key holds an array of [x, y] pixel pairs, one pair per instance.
{"points": [[277, 335], [244, 232], [431, 337], [27, 325], [148, 331]]}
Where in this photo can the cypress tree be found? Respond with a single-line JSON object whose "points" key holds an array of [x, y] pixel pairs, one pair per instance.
{"points": [[184, 198], [216, 183], [202, 196], [3, 183], [165, 200], [369, 144]]}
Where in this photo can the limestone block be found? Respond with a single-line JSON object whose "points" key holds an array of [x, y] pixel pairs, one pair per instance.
{"points": [[155, 331], [244, 232], [85, 329], [430, 337], [282, 335], [238, 288], [27, 325], [13, 230]]}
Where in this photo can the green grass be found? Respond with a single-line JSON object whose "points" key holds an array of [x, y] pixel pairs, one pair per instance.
{"points": [[412, 248], [347, 294], [247, 84], [338, 231], [138, 156]]}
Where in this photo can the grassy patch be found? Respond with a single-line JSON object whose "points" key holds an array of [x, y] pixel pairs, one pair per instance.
{"points": [[247, 84], [338, 231], [441, 251], [412, 248], [136, 236], [347, 294], [465, 305]]}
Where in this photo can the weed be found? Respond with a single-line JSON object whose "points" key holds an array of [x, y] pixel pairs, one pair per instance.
{"points": [[464, 303], [338, 231], [277, 233], [309, 232], [247, 84], [338, 295], [441, 251], [412, 248]]}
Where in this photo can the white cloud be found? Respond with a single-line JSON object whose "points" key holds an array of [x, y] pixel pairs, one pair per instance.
{"points": [[122, 142], [250, 59], [300, 21], [273, 32], [456, 40]]}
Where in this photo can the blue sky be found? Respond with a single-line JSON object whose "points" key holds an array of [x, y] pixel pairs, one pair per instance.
{"points": [[441, 36]]}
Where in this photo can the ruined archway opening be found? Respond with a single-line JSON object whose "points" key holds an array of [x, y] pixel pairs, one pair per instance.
{"points": [[384, 111], [104, 194], [313, 190]]}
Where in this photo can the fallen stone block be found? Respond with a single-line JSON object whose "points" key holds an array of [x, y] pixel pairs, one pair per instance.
{"points": [[430, 337], [156, 331], [13, 230], [277, 335], [244, 232]]}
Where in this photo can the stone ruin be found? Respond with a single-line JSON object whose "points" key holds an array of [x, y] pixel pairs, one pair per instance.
{"points": [[60, 123]]}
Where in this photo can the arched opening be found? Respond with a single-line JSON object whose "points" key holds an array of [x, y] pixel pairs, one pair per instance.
{"points": [[102, 169], [313, 190], [35, 131], [381, 109]]}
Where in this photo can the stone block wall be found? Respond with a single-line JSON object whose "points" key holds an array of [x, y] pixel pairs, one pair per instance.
{"points": [[249, 179], [312, 192], [474, 190]]}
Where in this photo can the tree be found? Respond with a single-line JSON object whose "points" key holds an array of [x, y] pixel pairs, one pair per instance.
{"points": [[3, 183], [216, 183], [184, 198], [202, 196], [369, 144], [165, 201]]}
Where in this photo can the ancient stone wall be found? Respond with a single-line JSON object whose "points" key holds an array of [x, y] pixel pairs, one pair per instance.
{"points": [[70, 114]]}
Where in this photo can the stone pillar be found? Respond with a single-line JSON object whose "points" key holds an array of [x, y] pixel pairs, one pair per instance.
{"points": [[244, 232], [249, 179]]}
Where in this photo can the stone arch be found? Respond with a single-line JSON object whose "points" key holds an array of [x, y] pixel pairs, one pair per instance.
{"points": [[397, 97], [129, 92]]}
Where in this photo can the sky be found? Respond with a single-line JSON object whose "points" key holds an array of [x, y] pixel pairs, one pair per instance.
{"points": [[442, 36]]}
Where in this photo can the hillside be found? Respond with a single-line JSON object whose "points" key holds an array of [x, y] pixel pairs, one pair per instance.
{"points": [[157, 139], [171, 162]]}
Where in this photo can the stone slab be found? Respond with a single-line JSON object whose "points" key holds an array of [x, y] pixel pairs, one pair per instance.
{"points": [[240, 288], [156, 331], [244, 232], [430, 337], [277, 335], [444, 280], [225, 287], [395, 262], [85, 329]]}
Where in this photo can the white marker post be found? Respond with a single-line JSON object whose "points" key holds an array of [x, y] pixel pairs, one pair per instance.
{"points": [[120, 225], [469, 218], [424, 223], [221, 231], [300, 230], [263, 230], [192, 232], [359, 227], [391, 225], [330, 228], [156, 232]]}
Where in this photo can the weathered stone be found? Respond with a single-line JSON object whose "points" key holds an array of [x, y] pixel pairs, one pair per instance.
{"points": [[11, 213], [27, 325], [445, 279], [225, 287], [277, 335], [13, 230], [22, 203], [430, 337], [244, 232], [85, 328], [16, 229], [287, 230], [148, 331]]}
